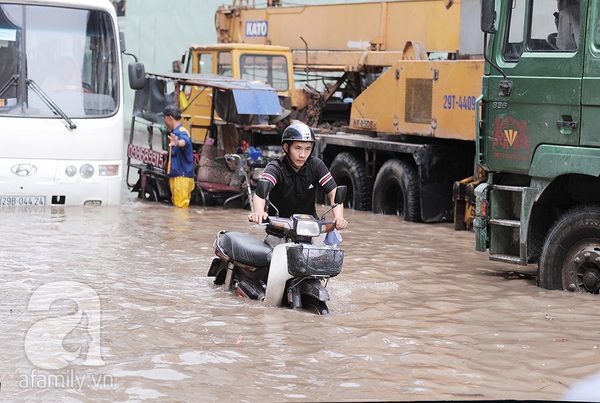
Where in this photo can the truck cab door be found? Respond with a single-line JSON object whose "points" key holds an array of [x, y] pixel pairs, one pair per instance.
{"points": [[538, 102], [590, 95]]}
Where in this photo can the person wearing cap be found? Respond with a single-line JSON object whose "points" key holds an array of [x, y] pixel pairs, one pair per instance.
{"points": [[293, 180], [281, 121], [180, 168]]}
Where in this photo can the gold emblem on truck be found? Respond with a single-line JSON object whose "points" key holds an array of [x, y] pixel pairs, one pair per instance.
{"points": [[511, 140]]}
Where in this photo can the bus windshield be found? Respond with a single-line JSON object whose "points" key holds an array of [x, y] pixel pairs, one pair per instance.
{"points": [[57, 62]]}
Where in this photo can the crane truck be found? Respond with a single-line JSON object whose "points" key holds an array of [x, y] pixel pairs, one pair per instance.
{"points": [[538, 139], [406, 75]]}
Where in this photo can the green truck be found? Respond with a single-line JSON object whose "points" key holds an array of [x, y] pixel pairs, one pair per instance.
{"points": [[539, 139]]}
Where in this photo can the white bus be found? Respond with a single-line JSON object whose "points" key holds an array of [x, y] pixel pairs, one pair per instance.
{"points": [[61, 103]]}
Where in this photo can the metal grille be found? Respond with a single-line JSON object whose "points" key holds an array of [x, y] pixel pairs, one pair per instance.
{"points": [[418, 102]]}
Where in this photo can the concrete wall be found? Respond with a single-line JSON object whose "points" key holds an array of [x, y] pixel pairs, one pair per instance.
{"points": [[159, 31]]}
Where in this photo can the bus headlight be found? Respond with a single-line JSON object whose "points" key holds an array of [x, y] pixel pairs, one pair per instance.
{"points": [[70, 171], [108, 170], [86, 171]]}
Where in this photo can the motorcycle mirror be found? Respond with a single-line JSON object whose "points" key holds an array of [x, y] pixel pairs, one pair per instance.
{"points": [[340, 197], [276, 209], [340, 194]]}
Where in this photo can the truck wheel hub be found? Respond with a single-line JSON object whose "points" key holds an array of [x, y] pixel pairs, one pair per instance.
{"points": [[587, 269], [590, 280]]}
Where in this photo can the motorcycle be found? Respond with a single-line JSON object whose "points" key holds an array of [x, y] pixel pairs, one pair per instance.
{"points": [[294, 273]]}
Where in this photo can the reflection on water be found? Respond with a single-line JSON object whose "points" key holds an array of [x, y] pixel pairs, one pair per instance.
{"points": [[416, 314]]}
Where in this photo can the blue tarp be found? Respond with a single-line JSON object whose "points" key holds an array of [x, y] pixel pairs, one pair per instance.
{"points": [[256, 102], [250, 98]]}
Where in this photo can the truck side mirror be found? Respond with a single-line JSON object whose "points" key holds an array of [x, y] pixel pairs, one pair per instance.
{"points": [[488, 16], [137, 75], [340, 194]]}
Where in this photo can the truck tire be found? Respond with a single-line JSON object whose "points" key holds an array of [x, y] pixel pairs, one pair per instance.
{"points": [[396, 191], [570, 258], [348, 170]]}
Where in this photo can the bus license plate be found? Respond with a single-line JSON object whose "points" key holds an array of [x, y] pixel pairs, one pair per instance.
{"points": [[22, 200]]}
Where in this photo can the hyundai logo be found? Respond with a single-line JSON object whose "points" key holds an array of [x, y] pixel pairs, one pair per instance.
{"points": [[24, 169]]}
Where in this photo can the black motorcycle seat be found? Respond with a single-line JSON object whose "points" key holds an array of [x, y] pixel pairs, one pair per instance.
{"points": [[246, 249]]}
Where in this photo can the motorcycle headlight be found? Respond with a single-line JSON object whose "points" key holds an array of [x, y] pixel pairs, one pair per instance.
{"points": [[308, 228]]}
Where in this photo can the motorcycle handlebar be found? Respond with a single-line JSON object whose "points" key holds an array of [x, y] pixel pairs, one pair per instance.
{"points": [[283, 223], [264, 221]]}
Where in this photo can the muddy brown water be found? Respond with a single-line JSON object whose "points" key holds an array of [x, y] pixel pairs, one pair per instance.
{"points": [[416, 314]]}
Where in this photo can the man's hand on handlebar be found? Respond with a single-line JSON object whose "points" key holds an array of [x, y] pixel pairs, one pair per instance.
{"points": [[257, 218], [340, 223]]}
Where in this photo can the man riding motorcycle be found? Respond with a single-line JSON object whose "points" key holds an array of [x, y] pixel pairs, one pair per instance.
{"points": [[293, 179], [288, 268]]}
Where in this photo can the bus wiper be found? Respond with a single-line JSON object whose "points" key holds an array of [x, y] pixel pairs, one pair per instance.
{"points": [[11, 81], [51, 104]]}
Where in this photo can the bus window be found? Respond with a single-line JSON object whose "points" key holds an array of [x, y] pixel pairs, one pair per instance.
{"points": [[67, 59], [9, 53]]}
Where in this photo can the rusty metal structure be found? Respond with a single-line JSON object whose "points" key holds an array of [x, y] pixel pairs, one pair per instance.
{"points": [[405, 76], [341, 48]]}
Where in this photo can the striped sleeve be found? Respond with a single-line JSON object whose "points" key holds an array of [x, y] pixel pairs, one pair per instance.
{"points": [[269, 177], [271, 172], [326, 180]]}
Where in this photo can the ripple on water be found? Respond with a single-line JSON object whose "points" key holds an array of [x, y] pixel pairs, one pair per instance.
{"points": [[158, 374]]}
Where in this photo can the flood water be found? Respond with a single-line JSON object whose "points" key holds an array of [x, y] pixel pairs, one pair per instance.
{"points": [[416, 314]]}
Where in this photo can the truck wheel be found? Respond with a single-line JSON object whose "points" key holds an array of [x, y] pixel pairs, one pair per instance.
{"points": [[396, 191], [571, 255], [347, 170]]}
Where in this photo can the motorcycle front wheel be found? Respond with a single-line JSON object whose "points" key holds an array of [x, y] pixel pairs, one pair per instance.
{"points": [[314, 305]]}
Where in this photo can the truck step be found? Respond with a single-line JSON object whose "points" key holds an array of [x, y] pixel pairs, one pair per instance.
{"points": [[509, 188], [505, 223], [506, 258]]}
